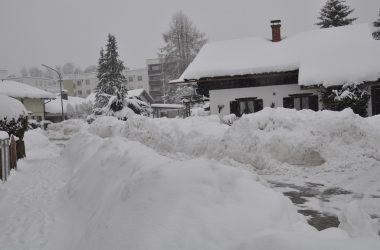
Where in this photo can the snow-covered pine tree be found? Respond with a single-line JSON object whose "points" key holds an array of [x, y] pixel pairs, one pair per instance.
{"points": [[110, 75], [335, 13], [376, 23], [354, 96]]}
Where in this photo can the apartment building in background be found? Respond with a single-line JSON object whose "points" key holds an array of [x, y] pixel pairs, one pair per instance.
{"points": [[81, 84], [137, 79], [47, 84], [156, 79]]}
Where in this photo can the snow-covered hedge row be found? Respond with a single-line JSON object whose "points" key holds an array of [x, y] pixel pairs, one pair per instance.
{"points": [[124, 195]]}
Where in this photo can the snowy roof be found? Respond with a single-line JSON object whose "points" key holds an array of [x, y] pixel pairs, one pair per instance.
{"points": [[326, 56], [167, 106], [135, 92], [11, 108], [54, 106], [21, 90]]}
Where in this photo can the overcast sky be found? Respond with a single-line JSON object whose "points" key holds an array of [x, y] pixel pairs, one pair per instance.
{"points": [[58, 31]]}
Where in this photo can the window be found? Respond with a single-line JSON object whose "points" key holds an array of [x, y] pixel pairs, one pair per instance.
{"points": [[303, 101], [88, 92], [88, 82], [73, 85], [79, 92], [79, 83], [130, 79], [246, 106], [139, 78]]}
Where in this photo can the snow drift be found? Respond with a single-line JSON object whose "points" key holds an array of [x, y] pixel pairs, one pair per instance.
{"points": [[123, 195], [269, 140]]}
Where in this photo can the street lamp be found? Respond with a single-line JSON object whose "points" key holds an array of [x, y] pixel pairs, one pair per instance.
{"points": [[60, 87]]}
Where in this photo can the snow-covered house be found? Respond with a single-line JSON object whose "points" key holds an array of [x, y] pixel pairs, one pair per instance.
{"points": [[245, 75], [32, 98], [141, 94], [71, 108]]}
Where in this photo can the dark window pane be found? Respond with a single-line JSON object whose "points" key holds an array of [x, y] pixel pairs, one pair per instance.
{"points": [[297, 103]]}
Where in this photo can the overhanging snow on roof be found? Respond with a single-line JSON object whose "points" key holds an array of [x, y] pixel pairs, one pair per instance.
{"points": [[21, 90], [330, 57]]}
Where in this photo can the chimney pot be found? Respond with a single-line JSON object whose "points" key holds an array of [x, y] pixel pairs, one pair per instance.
{"points": [[276, 30]]}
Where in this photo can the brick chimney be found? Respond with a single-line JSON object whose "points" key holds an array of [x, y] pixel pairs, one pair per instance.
{"points": [[276, 30]]}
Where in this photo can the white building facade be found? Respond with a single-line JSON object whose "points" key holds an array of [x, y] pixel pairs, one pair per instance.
{"points": [[83, 84], [137, 79]]}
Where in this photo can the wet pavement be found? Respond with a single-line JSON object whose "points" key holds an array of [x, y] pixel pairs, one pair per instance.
{"points": [[300, 195]]}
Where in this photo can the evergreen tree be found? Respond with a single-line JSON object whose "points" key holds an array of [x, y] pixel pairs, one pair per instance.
{"points": [[110, 75], [335, 13], [376, 34]]}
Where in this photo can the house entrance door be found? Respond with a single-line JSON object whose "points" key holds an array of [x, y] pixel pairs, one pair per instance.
{"points": [[375, 100]]}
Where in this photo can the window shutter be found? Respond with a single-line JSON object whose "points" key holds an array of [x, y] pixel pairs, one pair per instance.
{"points": [[288, 102], [258, 105], [234, 107], [313, 103]]}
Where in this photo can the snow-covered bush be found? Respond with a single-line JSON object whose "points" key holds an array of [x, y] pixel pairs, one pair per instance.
{"points": [[354, 96], [13, 116], [229, 119]]}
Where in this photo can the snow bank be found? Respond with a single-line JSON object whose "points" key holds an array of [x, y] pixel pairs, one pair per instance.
{"points": [[123, 195], [332, 140], [356, 222], [65, 129], [194, 136], [269, 140], [38, 146]]}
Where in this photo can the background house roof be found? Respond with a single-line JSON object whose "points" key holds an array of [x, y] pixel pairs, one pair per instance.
{"points": [[21, 90], [325, 56], [54, 106]]}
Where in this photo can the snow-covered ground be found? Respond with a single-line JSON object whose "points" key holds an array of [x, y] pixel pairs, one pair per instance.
{"points": [[196, 183]]}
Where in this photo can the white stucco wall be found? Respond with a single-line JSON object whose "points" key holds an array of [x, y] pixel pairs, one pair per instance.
{"points": [[269, 94]]}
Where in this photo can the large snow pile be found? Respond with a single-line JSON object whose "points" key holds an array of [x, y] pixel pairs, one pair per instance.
{"points": [[65, 129], [123, 195], [21, 90], [276, 137], [11, 108], [269, 140], [38, 146], [323, 56], [195, 136]]}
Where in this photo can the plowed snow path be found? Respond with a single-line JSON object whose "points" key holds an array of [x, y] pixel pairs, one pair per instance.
{"points": [[30, 199]]}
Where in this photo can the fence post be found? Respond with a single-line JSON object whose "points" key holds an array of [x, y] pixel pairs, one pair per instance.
{"points": [[13, 153]]}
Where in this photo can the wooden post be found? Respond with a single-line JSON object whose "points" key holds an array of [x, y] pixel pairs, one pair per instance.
{"points": [[20, 146], [13, 153]]}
